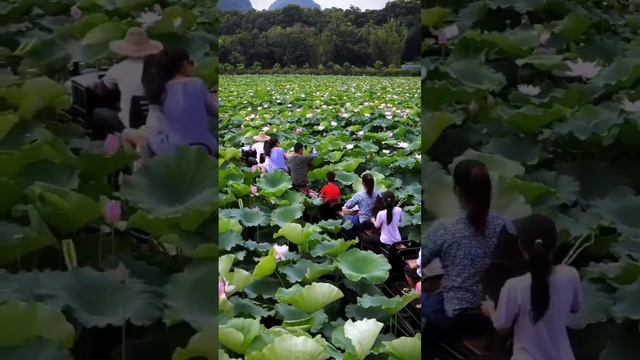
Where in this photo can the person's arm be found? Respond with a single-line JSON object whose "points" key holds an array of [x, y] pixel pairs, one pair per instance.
{"points": [[433, 243], [109, 80], [351, 202], [576, 303], [209, 100], [401, 219], [377, 221], [504, 315]]}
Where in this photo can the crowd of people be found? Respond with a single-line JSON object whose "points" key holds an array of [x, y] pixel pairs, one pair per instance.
{"points": [[373, 215], [536, 297], [181, 109]]}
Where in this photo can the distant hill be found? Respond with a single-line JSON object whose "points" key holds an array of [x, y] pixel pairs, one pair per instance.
{"points": [[235, 5], [306, 4]]}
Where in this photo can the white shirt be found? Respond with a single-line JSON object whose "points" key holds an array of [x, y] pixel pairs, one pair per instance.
{"points": [[546, 339], [259, 148], [127, 75], [389, 233]]}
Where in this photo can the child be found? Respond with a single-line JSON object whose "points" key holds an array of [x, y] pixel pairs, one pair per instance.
{"points": [[330, 193], [538, 304], [388, 220]]}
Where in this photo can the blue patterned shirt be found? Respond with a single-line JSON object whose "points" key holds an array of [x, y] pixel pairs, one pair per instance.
{"points": [[464, 255], [365, 204]]}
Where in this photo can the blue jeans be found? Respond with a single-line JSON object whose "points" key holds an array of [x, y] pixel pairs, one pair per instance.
{"points": [[433, 313], [355, 220]]}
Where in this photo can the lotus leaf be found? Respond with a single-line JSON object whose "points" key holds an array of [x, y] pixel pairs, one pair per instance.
{"points": [[357, 264], [311, 298], [190, 295], [25, 321], [292, 347]]}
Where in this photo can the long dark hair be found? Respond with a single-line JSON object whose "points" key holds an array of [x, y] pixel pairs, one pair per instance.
{"points": [[269, 145], [389, 200], [471, 179], [538, 239], [158, 69], [368, 183]]}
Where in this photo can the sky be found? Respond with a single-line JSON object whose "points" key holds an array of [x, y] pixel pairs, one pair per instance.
{"points": [[344, 4]]}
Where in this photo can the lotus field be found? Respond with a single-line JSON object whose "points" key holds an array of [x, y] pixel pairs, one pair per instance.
{"points": [[89, 268], [290, 286], [546, 94]]}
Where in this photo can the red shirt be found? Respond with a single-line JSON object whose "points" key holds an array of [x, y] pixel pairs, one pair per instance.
{"points": [[330, 193]]}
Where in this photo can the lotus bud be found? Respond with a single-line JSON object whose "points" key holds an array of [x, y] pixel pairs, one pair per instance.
{"points": [[75, 12], [112, 212], [111, 144], [121, 273], [254, 190], [473, 107]]}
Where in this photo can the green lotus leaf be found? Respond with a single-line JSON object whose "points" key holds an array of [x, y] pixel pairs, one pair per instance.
{"points": [[512, 44], [275, 183], [191, 296], [249, 217], [621, 211], [542, 61], [18, 241], [225, 225], [36, 350], [104, 33], [223, 356], [286, 214], [311, 298], [40, 94], [164, 178], [628, 247], [346, 178], [240, 278], [623, 72], [7, 121], [625, 299], [294, 319], [363, 334], [590, 120], [154, 226], [403, 348], [266, 266], [229, 240], [265, 288], [249, 308], [494, 163], [333, 226], [433, 124], [350, 165], [78, 29], [292, 347], [357, 264], [435, 16], [237, 334], [306, 271], [388, 305], [224, 264], [332, 248], [477, 75], [574, 25], [596, 306], [202, 344], [65, 210], [25, 321], [530, 119], [297, 234]]}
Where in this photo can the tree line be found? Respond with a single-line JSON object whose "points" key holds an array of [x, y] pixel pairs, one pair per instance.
{"points": [[330, 39]]}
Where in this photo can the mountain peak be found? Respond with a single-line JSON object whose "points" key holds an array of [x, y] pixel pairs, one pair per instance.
{"points": [[235, 5], [305, 4]]}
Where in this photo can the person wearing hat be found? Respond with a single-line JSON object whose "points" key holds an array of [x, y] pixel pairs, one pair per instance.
{"points": [[126, 76], [259, 145]]}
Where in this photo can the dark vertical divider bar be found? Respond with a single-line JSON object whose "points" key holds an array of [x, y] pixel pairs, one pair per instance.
{"points": [[108, 179]]}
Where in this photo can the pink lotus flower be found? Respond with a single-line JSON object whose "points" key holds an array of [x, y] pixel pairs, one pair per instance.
{"points": [[112, 212], [157, 8], [224, 289], [281, 252], [254, 190], [75, 12], [121, 273], [299, 131], [442, 38], [254, 168], [112, 144]]}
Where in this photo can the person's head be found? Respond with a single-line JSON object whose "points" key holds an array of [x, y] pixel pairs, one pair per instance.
{"points": [[538, 239], [275, 142], [179, 63], [136, 44], [331, 176], [389, 200], [268, 145], [298, 148], [368, 183], [155, 77], [472, 186]]}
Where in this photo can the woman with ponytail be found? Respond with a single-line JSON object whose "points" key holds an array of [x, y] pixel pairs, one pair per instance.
{"points": [[389, 220], [365, 201], [464, 245], [538, 304]]}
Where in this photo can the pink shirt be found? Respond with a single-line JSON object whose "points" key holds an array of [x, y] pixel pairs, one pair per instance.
{"points": [[389, 233], [547, 339]]}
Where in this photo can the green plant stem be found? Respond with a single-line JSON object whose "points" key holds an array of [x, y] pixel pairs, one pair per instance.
{"points": [[571, 253], [279, 278], [113, 242]]}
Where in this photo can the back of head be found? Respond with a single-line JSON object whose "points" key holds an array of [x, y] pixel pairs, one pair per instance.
{"points": [[389, 200], [331, 176], [155, 77], [538, 239], [473, 183], [268, 145], [368, 183], [298, 148], [176, 59]]}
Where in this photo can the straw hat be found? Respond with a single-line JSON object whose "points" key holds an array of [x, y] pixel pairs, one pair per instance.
{"points": [[136, 43], [261, 137]]}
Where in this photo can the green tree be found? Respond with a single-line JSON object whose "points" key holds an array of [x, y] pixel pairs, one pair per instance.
{"points": [[388, 41]]}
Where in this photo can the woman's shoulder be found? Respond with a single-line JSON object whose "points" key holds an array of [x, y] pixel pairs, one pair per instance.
{"points": [[566, 272]]}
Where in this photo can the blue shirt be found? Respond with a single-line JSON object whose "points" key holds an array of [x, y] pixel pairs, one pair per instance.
{"points": [[278, 160], [365, 204], [464, 255], [188, 109]]}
